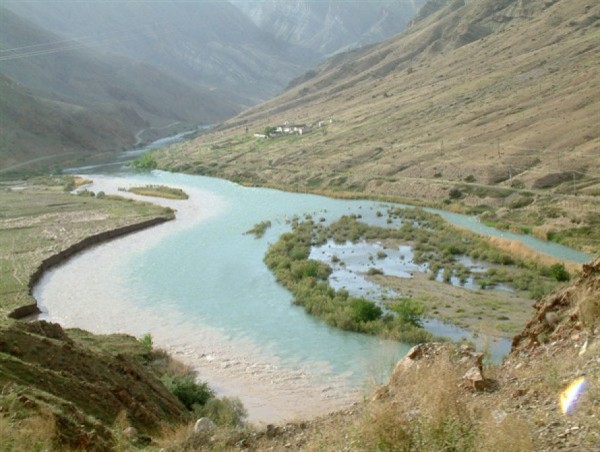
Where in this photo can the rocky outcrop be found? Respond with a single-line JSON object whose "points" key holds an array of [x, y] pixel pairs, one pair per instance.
{"points": [[464, 358], [329, 26], [565, 312], [88, 383]]}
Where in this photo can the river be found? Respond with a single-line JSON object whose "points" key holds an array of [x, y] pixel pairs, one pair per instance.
{"points": [[199, 286]]}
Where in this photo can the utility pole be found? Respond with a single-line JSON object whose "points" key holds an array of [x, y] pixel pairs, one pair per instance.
{"points": [[510, 175]]}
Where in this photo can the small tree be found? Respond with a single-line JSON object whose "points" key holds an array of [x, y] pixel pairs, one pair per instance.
{"points": [[145, 163], [269, 130], [559, 272], [409, 310], [188, 391], [365, 311]]}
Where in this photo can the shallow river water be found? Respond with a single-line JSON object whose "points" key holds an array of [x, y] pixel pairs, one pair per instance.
{"points": [[199, 286]]}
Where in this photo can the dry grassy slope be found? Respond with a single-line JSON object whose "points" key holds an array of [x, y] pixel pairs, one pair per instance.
{"points": [[87, 384], [488, 89]]}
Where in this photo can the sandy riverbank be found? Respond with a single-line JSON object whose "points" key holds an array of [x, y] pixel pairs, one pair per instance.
{"points": [[86, 292]]}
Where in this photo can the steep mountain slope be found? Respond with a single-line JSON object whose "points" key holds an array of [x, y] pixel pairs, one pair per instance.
{"points": [[35, 128], [208, 44], [333, 25], [78, 100], [473, 96]]}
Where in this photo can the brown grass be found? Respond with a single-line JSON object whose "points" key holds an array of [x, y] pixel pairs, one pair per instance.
{"points": [[522, 251], [588, 307], [33, 433], [429, 410]]}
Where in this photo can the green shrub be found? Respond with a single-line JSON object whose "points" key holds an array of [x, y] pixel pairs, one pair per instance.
{"points": [[145, 163], [381, 254], [316, 269], [374, 271], [365, 311], [259, 229], [559, 272], [520, 202], [409, 311], [455, 193], [147, 342], [188, 391]]}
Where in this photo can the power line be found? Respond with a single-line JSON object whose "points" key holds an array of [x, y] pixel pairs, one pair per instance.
{"points": [[65, 45]]}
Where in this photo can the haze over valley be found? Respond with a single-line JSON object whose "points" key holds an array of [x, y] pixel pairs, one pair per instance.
{"points": [[299, 225], [110, 70]]}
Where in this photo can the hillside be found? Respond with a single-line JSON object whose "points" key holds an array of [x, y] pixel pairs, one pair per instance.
{"points": [[210, 45], [489, 107], [60, 96], [33, 128], [68, 388], [327, 27]]}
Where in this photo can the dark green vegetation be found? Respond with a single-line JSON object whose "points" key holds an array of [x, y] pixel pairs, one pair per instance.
{"points": [[160, 191], [197, 397], [145, 163], [434, 242], [259, 229]]}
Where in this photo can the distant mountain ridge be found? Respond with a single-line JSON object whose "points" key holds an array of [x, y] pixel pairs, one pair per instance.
{"points": [[209, 45], [329, 26]]}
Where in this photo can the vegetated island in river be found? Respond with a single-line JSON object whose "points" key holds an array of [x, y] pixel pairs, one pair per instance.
{"points": [[449, 259], [159, 191]]}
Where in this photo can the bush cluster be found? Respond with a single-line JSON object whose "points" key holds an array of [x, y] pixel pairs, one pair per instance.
{"points": [[188, 391], [197, 397], [145, 163], [288, 259]]}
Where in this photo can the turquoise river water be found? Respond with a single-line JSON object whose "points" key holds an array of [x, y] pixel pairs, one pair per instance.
{"points": [[199, 285]]}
